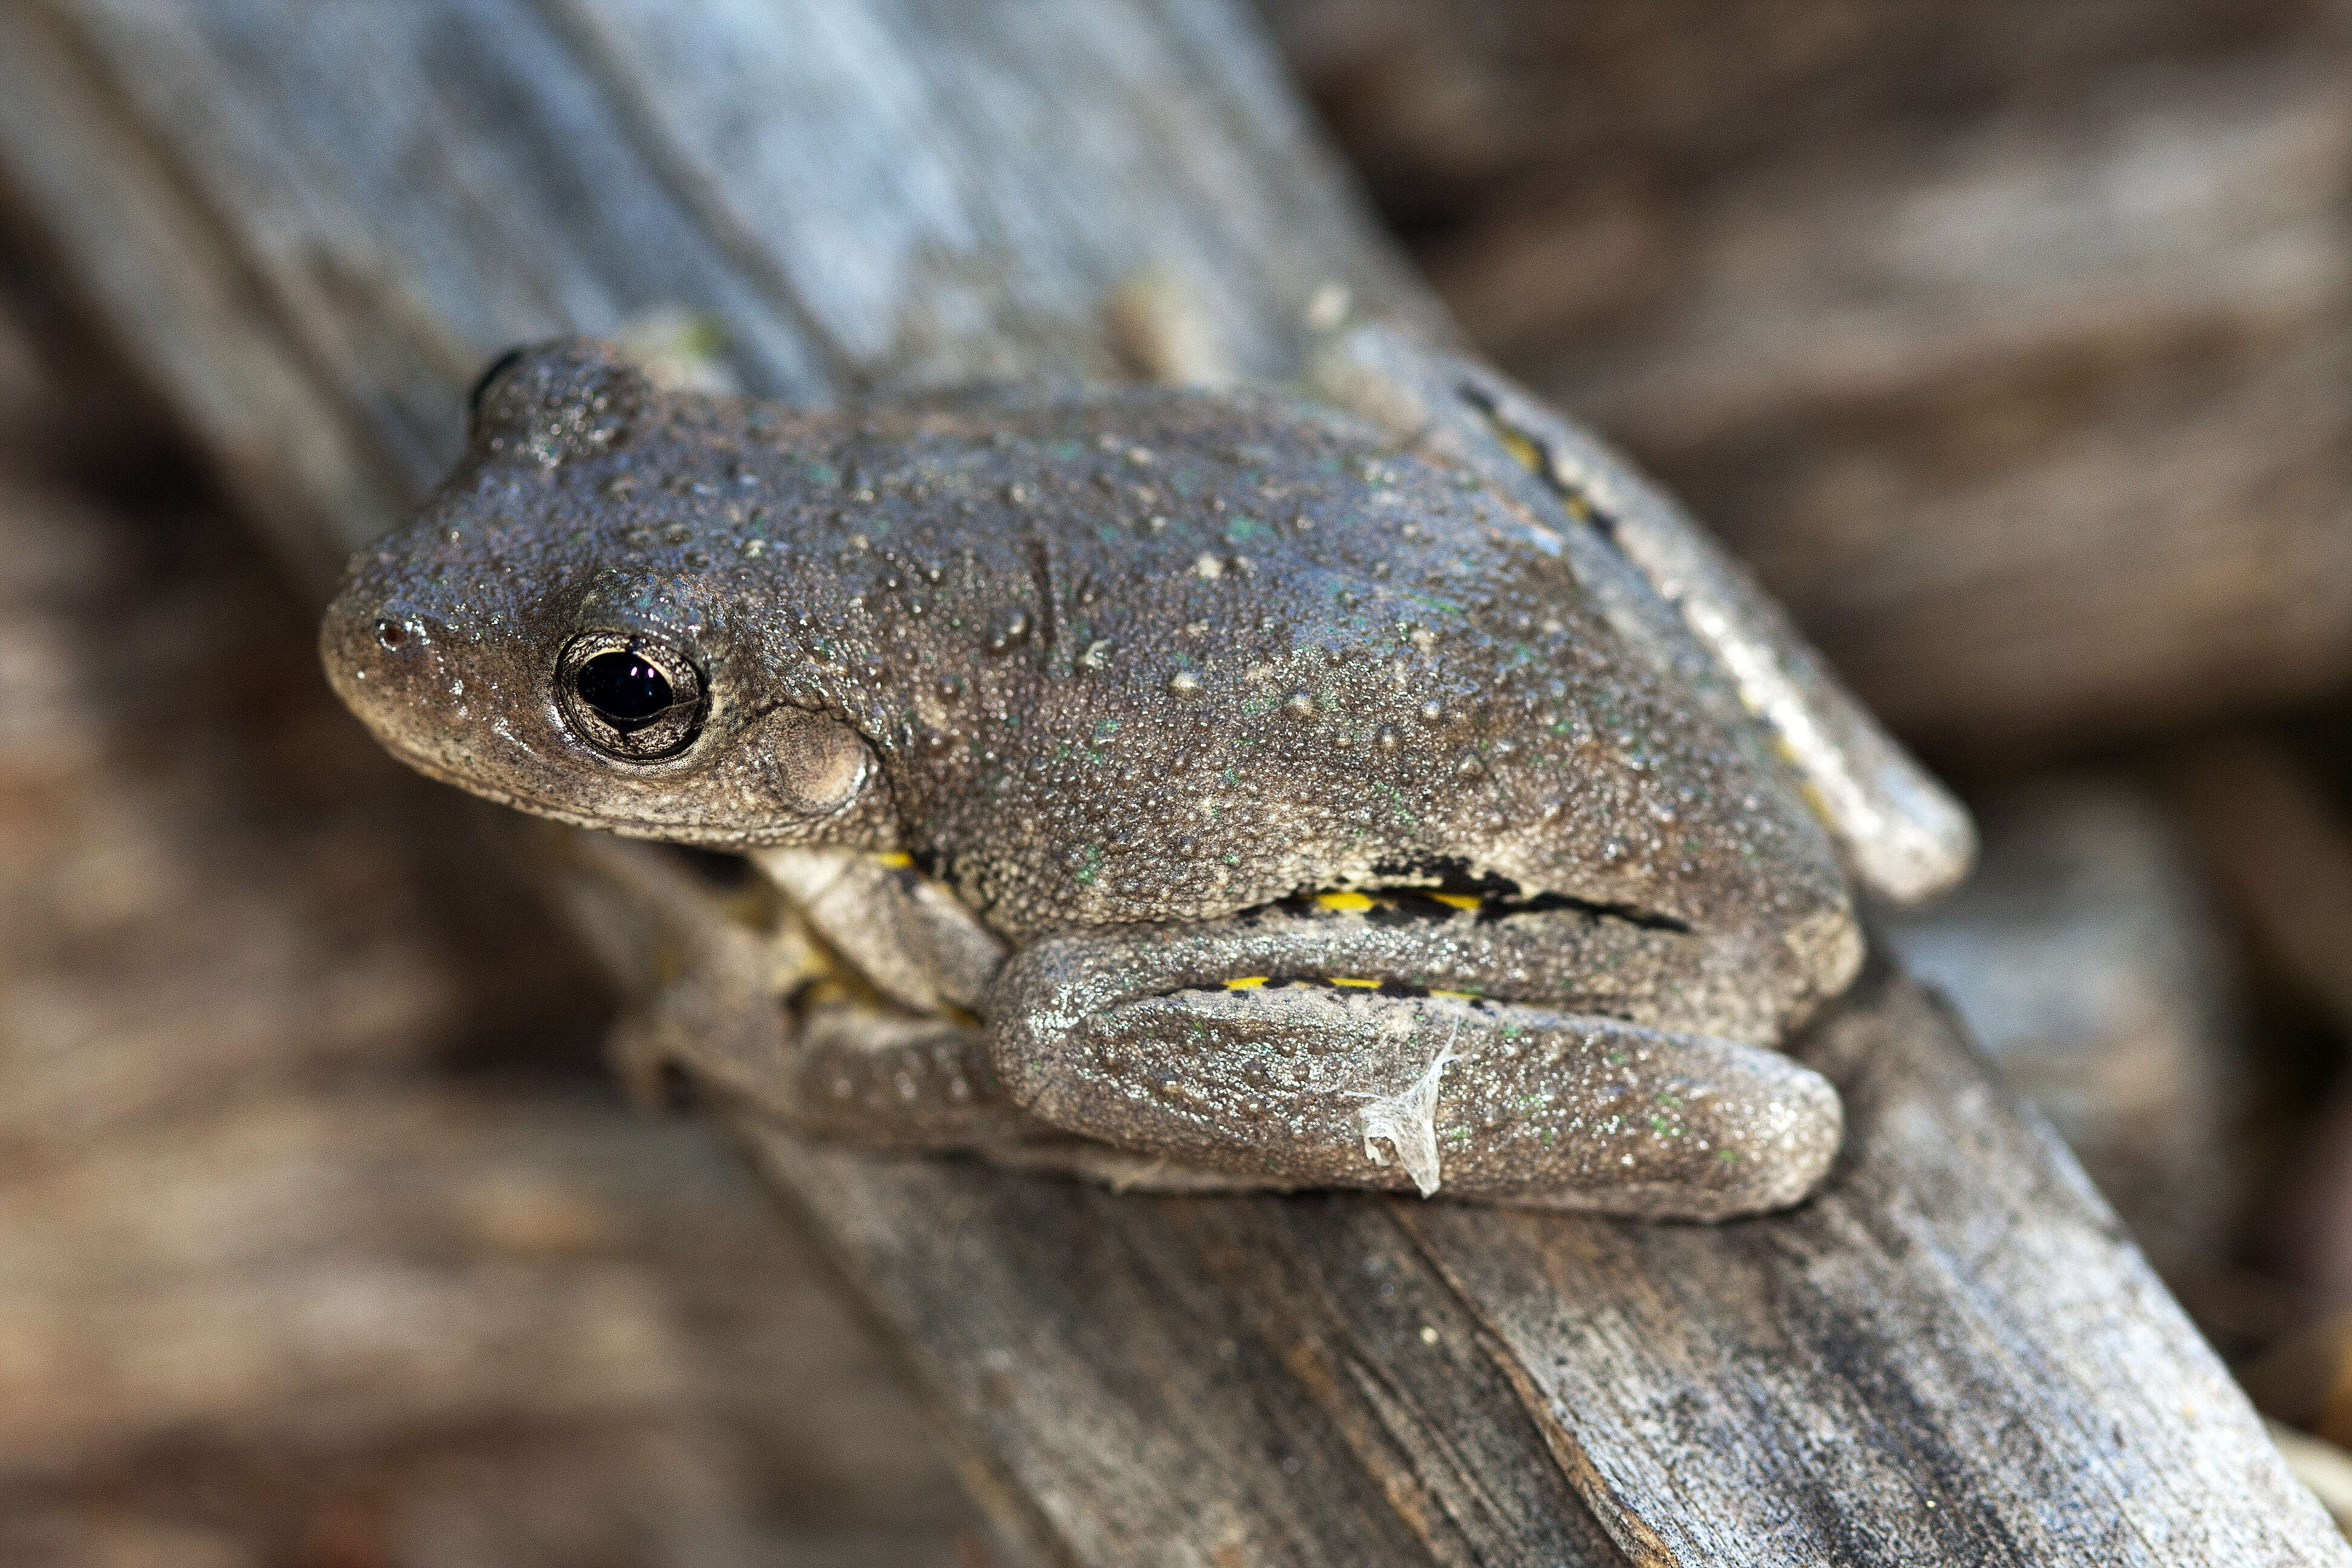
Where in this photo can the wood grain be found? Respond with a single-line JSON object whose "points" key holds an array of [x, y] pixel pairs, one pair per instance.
{"points": [[306, 227]]}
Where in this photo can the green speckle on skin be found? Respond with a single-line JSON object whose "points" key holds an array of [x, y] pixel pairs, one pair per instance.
{"points": [[1089, 866], [1726, 1156], [1616, 1058], [1107, 729]]}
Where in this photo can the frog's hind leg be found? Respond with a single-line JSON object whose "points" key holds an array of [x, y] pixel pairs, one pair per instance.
{"points": [[1336, 1082]]}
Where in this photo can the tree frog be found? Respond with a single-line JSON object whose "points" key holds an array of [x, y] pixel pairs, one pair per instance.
{"points": [[1377, 783]]}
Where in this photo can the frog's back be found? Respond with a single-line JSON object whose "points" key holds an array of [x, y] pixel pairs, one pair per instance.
{"points": [[1163, 657]]}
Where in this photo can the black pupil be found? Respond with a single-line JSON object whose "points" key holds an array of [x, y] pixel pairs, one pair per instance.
{"points": [[626, 692]]}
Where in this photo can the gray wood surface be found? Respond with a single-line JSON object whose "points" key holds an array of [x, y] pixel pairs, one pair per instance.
{"points": [[306, 227]]}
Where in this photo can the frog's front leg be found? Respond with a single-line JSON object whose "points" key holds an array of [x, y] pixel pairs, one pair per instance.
{"points": [[1170, 1042], [736, 990]]}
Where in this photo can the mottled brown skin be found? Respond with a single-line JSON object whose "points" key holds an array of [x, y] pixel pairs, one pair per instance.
{"points": [[1137, 678]]}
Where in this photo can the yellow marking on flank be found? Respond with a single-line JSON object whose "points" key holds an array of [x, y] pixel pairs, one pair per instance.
{"points": [[898, 860], [1346, 903], [1459, 900], [1247, 982], [1819, 802], [1528, 455], [1457, 995], [1345, 979]]}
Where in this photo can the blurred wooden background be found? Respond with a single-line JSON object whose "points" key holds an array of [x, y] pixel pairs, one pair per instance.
{"points": [[2011, 345]]}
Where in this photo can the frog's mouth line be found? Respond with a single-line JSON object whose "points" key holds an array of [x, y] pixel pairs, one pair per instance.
{"points": [[627, 827]]}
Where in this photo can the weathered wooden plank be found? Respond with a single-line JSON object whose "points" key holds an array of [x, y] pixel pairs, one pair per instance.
{"points": [[359, 203], [1875, 1378], [1165, 1380], [2089, 961]]}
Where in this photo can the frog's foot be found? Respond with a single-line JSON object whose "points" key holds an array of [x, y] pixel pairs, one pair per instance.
{"points": [[884, 1081], [847, 1072], [1334, 1082]]}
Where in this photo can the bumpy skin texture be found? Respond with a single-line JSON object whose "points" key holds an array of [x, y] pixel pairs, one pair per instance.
{"points": [[1123, 676]]}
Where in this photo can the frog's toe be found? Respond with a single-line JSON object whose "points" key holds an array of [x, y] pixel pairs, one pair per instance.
{"points": [[1326, 1085]]}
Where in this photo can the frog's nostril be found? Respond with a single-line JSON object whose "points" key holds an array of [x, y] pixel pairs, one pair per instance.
{"points": [[392, 634]]}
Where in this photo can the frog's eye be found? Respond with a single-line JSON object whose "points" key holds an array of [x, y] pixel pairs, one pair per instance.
{"points": [[631, 695]]}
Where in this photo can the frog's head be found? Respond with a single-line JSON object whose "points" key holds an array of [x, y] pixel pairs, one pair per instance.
{"points": [[520, 640]]}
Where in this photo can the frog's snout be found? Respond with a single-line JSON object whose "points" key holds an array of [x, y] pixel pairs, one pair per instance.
{"points": [[377, 657]]}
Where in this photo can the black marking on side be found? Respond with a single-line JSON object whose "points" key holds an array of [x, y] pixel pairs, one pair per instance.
{"points": [[1391, 988], [1580, 505], [1413, 897]]}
